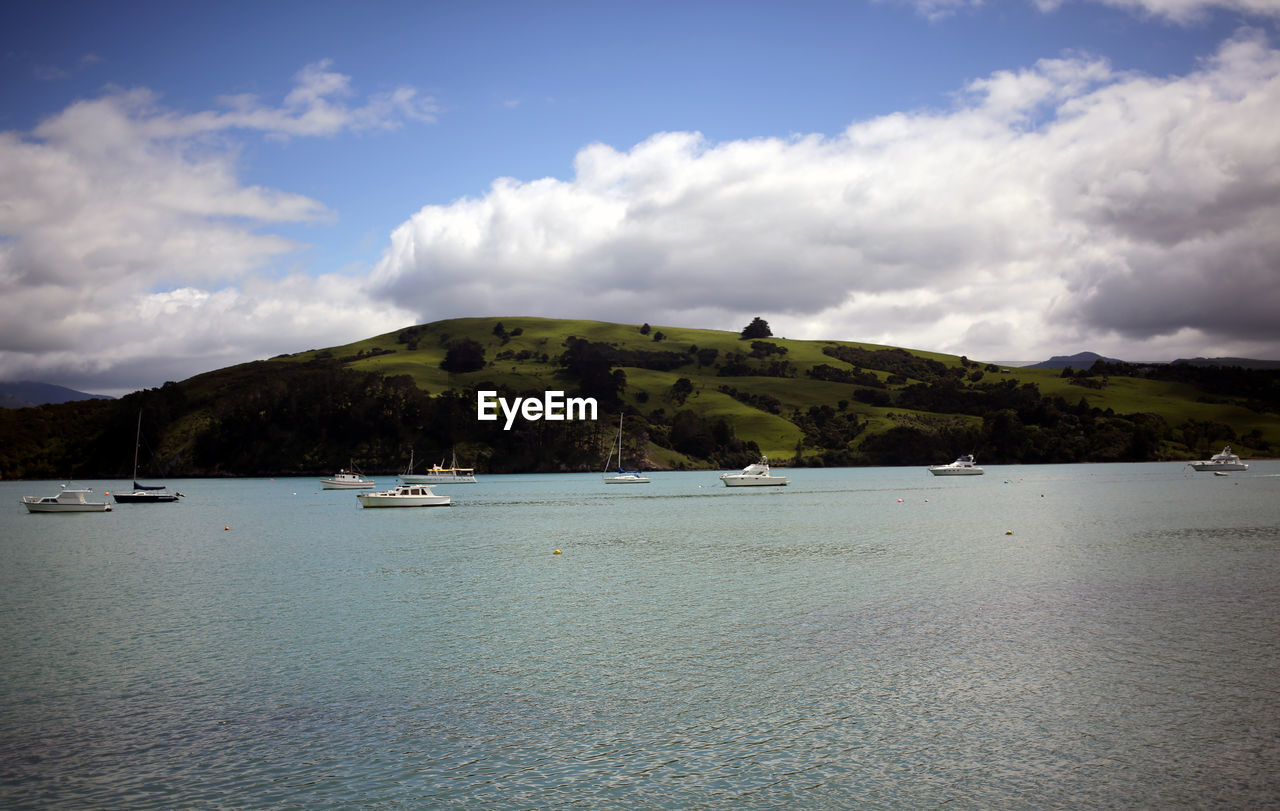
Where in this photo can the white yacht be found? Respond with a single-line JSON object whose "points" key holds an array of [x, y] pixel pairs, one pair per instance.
{"points": [[1219, 462], [963, 466], [68, 500], [404, 495], [347, 480], [755, 475]]}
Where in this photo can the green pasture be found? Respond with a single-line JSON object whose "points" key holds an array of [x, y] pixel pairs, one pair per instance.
{"points": [[648, 390]]}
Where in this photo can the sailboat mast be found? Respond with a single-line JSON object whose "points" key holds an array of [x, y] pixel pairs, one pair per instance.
{"points": [[137, 442]]}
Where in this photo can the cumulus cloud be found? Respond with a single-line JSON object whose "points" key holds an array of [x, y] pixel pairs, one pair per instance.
{"points": [[1062, 207], [1182, 12], [128, 239]]}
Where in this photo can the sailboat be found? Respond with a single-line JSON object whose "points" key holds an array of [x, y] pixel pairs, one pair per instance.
{"points": [[622, 476], [143, 494], [438, 474]]}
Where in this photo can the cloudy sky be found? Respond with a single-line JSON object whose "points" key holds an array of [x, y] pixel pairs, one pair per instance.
{"points": [[184, 186]]}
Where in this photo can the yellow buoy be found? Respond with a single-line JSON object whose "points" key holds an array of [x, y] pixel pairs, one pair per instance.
{"points": [[1008, 532], [556, 552]]}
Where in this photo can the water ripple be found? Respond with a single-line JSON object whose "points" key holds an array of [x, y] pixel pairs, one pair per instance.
{"points": [[822, 646]]}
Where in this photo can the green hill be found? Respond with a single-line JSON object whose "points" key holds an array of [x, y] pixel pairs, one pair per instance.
{"points": [[693, 399]]}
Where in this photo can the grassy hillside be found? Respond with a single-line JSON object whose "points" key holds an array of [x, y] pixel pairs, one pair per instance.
{"points": [[522, 358], [692, 399]]}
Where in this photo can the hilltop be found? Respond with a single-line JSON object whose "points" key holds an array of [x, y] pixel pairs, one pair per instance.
{"points": [[1080, 360], [24, 393], [692, 398], [1083, 360]]}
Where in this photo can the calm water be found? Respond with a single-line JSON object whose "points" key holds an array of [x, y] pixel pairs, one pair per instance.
{"points": [[862, 638]]}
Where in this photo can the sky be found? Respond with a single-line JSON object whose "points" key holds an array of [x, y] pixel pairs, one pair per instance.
{"points": [[186, 185]]}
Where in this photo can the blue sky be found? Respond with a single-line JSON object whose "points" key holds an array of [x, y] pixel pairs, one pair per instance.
{"points": [[184, 186]]}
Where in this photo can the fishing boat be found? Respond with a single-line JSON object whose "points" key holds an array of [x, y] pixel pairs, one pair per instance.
{"points": [[347, 480], [439, 474], [962, 466], [404, 495], [144, 494], [1226, 460], [68, 500], [623, 476], [755, 475]]}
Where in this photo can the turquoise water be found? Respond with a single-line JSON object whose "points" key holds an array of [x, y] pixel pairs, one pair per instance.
{"points": [[862, 638]]}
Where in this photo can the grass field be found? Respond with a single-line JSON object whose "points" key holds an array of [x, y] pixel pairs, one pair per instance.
{"points": [[526, 361]]}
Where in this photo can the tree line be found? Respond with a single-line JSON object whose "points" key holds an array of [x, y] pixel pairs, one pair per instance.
{"points": [[283, 417]]}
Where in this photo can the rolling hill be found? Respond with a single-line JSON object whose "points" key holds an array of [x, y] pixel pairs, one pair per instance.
{"points": [[24, 393], [692, 398]]}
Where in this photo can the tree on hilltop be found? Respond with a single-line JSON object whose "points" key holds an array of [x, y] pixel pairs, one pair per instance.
{"points": [[758, 328]]}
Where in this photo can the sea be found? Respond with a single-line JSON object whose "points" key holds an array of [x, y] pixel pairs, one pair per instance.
{"points": [[1057, 636]]}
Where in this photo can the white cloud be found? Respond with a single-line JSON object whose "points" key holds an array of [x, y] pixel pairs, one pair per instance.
{"points": [[1054, 209], [1182, 12], [128, 239]]}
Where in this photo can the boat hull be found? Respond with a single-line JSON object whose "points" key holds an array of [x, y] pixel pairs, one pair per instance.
{"points": [[414, 495], [1218, 466], [375, 500], [331, 484], [35, 505], [146, 498], [1224, 461], [626, 479], [738, 480], [755, 475], [956, 471]]}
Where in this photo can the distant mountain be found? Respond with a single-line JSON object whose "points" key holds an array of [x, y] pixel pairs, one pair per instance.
{"points": [[26, 393], [1244, 363], [1080, 360], [1083, 360]]}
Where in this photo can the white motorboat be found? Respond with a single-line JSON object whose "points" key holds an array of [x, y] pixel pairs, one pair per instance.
{"points": [[755, 475], [404, 495], [347, 480], [963, 466], [622, 476], [438, 474], [68, 500], [1226, 460]]}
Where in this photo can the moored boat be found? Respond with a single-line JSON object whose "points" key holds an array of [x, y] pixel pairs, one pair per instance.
{"points": [[754, 475], [347, 480], [1226, 460], [438, 474], [623, 476], [144, 494], [404, 495], [68, 500], [962, 466]]}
